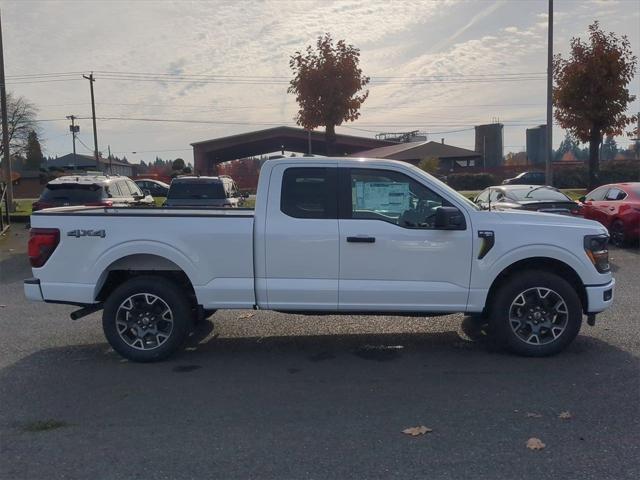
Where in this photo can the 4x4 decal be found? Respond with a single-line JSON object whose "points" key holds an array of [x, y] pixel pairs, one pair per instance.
{"points": [[86, 233]]}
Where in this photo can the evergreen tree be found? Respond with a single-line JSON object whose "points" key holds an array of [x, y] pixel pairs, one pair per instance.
{"points": [[609, 148], [569, 144], [33, 152]]}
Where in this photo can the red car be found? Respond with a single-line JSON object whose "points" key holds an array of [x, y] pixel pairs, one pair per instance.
{"points": [[617, 207]]}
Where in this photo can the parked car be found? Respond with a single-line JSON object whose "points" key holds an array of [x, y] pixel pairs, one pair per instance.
{"points": [[526, 178], [193, 191], [91, 190], [527, 197], [332, 235], [617, 207], [156, 188]]}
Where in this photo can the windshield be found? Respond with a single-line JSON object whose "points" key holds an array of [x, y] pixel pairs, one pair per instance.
{"points": [[540, 193], [203, 190], [448, 189]]}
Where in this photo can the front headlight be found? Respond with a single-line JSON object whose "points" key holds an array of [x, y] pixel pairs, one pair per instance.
{"points": [[595, 247]]}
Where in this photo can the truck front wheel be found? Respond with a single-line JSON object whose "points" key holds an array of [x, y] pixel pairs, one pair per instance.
{"points": [[536, 313], [147, 318]]}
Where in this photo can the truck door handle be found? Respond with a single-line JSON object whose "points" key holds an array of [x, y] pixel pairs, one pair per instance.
{"points": [[361, 239]]}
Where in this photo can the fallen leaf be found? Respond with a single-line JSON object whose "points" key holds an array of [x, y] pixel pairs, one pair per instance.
{"points": [[534, 415], [246, 315], [535, 444], [415, 431], [565, 415]]}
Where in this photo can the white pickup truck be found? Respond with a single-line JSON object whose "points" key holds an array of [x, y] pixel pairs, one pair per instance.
{"points": [[327, 235]]}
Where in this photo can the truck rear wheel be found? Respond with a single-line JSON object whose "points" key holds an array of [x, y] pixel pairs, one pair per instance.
{"points": [[536, 313], [147, 318]]}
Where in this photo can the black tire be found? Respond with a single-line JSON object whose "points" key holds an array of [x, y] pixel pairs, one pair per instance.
{"points": [[159, 299], [529, 325], [617, 234]]}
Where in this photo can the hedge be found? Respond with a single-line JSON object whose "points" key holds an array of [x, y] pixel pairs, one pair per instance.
{"points": [[471, 181], [610, 172]]}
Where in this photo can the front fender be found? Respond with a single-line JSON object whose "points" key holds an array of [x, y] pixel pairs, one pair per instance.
{"points": [[485, 272]]}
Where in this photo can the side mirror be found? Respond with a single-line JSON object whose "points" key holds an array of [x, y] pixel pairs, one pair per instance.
{"points": [[449, 218], [582, 199]]}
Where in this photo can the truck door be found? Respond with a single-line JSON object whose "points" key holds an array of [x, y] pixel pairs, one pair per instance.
{"points": [[392, 258], [301, 238]]}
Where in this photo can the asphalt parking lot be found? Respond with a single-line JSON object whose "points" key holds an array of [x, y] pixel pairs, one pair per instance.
{"points": [[265, 395]]}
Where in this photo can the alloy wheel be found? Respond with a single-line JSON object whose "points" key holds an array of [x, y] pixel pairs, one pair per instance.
{"points": [[144, 321], [538, 316]]}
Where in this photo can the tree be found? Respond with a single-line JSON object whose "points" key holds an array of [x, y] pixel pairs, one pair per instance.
{"points": [[609, 148], [591, 95], [326, 82], [178, 164], [429, 165], [21, 120], [515, 158], [33, 152], [569, 144]]}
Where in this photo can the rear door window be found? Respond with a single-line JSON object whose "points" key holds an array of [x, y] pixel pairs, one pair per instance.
{"points": [[123, 188], [133, 188], [309, 193], [615, 194]]}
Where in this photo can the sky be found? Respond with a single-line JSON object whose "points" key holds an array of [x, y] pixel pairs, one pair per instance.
{"points": [[221, 68]]}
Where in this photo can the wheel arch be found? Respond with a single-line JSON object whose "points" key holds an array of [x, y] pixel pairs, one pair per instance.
{"points": [[139, 264], [548, 264]]}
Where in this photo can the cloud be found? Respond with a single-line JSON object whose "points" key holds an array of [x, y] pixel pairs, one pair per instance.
{"points": [[230, 38]]}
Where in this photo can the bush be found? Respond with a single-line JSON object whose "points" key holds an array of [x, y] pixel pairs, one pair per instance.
{"points": [[570, 177], [471, 181], [619, 171], [610, 172]]}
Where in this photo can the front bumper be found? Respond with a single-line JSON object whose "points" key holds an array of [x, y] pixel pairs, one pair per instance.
{"points": [[600, 297], [32, 290]]}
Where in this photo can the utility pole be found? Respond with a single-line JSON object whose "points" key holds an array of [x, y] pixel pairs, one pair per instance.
{"points": [[110, 164], [74, 129], [547, 171], [5, 127], [93, 114]]}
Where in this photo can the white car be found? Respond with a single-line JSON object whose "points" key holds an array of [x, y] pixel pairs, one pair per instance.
{"points": [[327, 235]]}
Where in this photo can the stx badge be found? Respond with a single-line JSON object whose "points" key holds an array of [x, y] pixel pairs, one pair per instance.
{"points": [[87, 233]]}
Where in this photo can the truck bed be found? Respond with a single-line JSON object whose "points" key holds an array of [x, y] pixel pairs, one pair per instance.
{"points": [[213, 247]]}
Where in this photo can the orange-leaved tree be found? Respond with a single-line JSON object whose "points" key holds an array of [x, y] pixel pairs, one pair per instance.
{"points": [[591, 94], [327, 82]]}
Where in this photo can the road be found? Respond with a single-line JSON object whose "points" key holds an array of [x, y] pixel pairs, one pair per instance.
{"points": [[265, 395]]}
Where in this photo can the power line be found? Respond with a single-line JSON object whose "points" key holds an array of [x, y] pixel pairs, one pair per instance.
{"points": [[264, 77], [273, 80], [83, 144]]}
